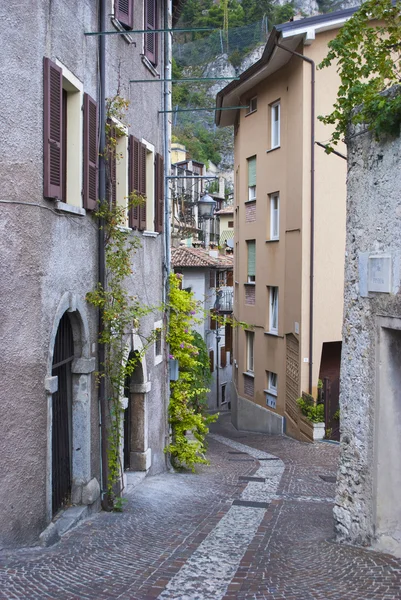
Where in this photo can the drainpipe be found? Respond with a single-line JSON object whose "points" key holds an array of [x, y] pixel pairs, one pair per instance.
{"points": [[312, 204], [101, 250], [167, 102]]}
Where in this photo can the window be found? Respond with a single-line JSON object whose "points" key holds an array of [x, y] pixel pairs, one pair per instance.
{"points": [[124, 13], [251, 247], [275, 124], [67, 156], [223, 393], [252, 178], [146, 179], [253, 105], [272, 383], [158, 328], [274, 217], [151, 39], [273, 305], [211, 360], [230, 224], [249, 350], [212, 279]]}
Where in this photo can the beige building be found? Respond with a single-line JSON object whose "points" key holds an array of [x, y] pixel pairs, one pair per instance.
{"points": [[289, 226]]}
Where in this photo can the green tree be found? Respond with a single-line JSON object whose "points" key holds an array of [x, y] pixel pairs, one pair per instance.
{"points": [[367, 52]]}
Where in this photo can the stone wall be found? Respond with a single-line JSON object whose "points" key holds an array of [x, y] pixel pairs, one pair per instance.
{"points": [[49, 257], [367, 506]]}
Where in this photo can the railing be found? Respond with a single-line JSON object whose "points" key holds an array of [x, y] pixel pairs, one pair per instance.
{"points": [[226, 300]]}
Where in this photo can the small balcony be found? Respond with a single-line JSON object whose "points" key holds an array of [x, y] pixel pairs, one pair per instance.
{"points": [[225, 301]]}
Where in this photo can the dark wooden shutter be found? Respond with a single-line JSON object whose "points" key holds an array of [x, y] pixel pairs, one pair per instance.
{"points": [[228, 337], [90, 153], [229, 281], [223, 357], [133, 179], [142, 183], [213, 320], [211, 360], [159, 193], [124, 12], [52, 130], [151, 39]]}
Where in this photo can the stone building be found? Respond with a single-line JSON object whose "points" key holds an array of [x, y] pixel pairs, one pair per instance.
{"points": [[50, 445], [289, 226], [368, 508]]}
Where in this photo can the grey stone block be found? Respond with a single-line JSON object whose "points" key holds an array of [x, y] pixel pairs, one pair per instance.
{"points": [[91, 491], [49, 536]]}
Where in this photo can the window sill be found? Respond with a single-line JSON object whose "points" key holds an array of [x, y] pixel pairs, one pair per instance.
{"points": [[273, 240], [274, 334], [158, 359], [149, 66], [251, 112], [249, 374], [119, 27], [125, 229], [273, 149], [271, 392], [249, 201], [70, 208], [250, 283], [151, 234]]}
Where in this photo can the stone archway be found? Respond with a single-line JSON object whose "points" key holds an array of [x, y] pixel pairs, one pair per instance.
{"points": [[135, 407], [83, 489]]}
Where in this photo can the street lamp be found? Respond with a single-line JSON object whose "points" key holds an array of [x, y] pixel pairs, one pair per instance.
{"points": [[206, 206]]}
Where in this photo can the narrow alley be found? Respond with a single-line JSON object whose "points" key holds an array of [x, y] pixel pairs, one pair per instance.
{"points": [[255, 524]]}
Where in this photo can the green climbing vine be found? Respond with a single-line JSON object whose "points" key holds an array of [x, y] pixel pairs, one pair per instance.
{"points": [[187, 417], [120, 311], [367, 52]]}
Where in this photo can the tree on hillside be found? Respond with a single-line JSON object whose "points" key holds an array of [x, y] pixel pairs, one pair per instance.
{"points": [[367, 51]]}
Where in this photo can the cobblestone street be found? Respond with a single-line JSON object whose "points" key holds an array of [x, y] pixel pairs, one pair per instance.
{"points": [[256, 524]]}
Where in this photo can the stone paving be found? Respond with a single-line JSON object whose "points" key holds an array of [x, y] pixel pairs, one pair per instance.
{"points": [[255, 524]]}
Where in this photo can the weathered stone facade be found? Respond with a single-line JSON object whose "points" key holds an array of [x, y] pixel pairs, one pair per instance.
{"points": [[50, 259], [367, 507]]}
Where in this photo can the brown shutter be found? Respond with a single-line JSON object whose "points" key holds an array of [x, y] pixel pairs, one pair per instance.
{"points": [[142, 184], [90, 153], [211, 360], [151, 39], [133, 179], [213, 320], [159, 193], [229, 281], [212, 278], [223, 357], [228, 337], [124, 12], [52, 130]]}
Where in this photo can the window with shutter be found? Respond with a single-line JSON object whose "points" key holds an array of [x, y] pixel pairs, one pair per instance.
{"points": [[223, 357], [212, 279], [252, 178], [124, 12], [90, 153], [159, 193], [134, 179], [151, 39], [112, 164], [228, 337], [211, 360], [142, 184], [52, 143], [229, 281], [213, 320], [251, 246], [274, 217]]}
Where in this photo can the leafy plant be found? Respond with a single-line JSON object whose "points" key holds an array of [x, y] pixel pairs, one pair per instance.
{"points": [[367, 52], [186, 413], [336, 415], [313, 412]]}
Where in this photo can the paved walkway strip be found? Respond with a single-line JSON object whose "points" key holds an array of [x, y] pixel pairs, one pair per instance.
{"points": [[208, 572]]}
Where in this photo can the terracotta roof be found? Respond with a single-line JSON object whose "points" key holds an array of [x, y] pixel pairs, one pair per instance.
{"points": [[228, 210], [198, 257]]}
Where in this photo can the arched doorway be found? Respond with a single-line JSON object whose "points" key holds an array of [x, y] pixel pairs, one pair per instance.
{"points": [[62, 415], [133, 419]]}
